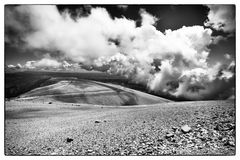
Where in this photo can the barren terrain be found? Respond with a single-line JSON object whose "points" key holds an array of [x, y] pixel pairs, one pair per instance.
{"points": [[73, 90], [175, 128]]}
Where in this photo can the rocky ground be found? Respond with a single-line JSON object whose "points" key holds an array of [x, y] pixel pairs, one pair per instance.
{"points": [[176, 128]]}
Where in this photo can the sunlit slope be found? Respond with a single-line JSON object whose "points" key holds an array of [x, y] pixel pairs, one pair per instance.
{"points": [[72, 90]]}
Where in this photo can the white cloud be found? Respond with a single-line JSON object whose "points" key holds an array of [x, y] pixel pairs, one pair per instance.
{"points": [[147, 19], [45, 62], [227, 56], [226, 74], [11, 66], [119, 47], [221, 17], [29, 65], [66, 64], [48, 63]]}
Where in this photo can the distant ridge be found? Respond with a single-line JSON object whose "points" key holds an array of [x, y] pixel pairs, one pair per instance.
{"points": [[73, 90]]}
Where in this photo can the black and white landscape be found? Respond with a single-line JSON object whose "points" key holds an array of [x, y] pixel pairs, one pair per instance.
{"points": [[120, 80]]}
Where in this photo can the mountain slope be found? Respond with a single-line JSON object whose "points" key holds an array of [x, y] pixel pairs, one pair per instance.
{"points": [[73, 90]]}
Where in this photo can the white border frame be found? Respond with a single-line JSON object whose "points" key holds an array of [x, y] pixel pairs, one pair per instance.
{"points": [[4, 2]]}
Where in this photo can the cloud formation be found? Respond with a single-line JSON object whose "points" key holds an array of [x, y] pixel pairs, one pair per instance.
{"points": [[173, 62], [227, 56], [221, 17], [123, 6], [48, 63], [147, 19]]}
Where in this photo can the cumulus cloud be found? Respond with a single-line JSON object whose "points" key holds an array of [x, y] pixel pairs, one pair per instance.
{"points": [[66, 64], [227, 56], [147, 19], [200, 83], [11, 66], [173, 62], [45, 62], [221, 17], [48, 63]]}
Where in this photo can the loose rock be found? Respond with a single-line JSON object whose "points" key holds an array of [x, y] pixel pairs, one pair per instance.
{"points": [[174, 128], [185, 129], [169, 135], [230, 143], [69, 140]]}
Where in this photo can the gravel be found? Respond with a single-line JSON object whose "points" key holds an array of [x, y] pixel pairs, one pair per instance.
{"points": [[183, 128]]}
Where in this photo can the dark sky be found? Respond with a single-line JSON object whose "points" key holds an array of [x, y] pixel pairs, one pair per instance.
{"points": [[169, 17]]}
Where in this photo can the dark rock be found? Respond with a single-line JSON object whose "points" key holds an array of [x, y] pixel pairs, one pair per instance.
{"points": [[50, 103], [97, 121], [217, 127], [220, 138], [185, 129], [160, 140], [69, 140]]}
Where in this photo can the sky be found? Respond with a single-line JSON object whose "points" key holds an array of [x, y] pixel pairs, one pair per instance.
{"points": [[180, 50], [170, 17]]}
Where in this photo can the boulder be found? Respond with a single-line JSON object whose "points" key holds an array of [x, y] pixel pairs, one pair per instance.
{"points": [[185, 129]]}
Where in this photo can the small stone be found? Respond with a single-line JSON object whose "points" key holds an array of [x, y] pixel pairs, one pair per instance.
{"points": [[50, 103], [141, 150], [97, 121], [174, 128], [198, 125], [185, 129], [69, 140], [218, 128], [159, 140], [224, 139], [231, 143], [169, 135], [149, 150], [54, 153], [204, 131]]}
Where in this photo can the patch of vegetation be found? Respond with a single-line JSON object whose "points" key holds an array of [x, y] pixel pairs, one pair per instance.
{"points": [[19, 83]]}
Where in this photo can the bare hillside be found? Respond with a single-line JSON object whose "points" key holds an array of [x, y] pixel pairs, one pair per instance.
{"points": [[73, 90], [175, 128]]}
